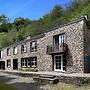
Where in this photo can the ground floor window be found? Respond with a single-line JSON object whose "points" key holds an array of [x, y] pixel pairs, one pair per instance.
{"points": [[33, 62], [29, 62], [8, 63]]}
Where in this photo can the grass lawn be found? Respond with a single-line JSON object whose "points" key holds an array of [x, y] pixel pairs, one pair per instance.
{"points": [[4, 86], [63, 86]]}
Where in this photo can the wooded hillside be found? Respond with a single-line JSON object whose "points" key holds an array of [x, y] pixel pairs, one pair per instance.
{"points": [[21, 27]]}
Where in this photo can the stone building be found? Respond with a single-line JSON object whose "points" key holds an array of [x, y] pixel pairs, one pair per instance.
{"points": [[64, 49]]}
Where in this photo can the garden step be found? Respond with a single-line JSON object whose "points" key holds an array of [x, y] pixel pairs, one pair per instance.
{"points": [[46, 79], [47, 76]]}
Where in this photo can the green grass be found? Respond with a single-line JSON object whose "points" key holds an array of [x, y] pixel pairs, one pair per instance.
{"points": [[4, 86], [63, 86]]}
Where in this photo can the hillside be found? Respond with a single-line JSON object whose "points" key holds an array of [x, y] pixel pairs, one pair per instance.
{"points": [[23, 27]]}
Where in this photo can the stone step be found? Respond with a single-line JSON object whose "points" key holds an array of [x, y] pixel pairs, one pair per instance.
{"points": [[47, 76], [45, 80]]}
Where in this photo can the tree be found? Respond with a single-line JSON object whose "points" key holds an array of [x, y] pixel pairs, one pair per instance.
{"points": [[5, 40], [3, 19], [56, 12], [21, 22], [4, 23]]}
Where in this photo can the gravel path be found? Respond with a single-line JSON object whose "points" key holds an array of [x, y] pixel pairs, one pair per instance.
{"points": [[22, 83]]}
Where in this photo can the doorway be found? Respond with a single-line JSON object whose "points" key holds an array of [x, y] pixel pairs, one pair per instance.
{"points": [[59, 63], [15, 64], [2, 65]]}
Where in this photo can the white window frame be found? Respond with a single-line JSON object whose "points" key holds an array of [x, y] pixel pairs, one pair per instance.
{"points": [[28, 63], [33, 46], [15, 50], [60, 65], [61, 38], [23, 63], [33, 62], [23, 48]]}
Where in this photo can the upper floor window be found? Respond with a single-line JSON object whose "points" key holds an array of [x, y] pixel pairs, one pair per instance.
{"points": [[8, 52], [1, 54], [33, 46], [23, 48], [15, 50], [59, 39]]}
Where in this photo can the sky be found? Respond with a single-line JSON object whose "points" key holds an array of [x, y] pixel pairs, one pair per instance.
{"points": [[32, 9]]}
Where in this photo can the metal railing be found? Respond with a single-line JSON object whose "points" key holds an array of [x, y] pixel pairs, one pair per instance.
{"points": [[54, 48]]}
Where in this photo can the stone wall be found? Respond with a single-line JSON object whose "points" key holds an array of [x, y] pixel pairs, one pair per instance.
{"points": [[17, 56], [74, 40], [79, 81]]}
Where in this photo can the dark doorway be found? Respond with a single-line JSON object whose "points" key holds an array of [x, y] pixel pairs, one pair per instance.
{"points": [[87, 64], [15, 64], [2, 65]]}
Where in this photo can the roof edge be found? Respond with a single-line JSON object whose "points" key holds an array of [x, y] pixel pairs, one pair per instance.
{"points": [[66, 24]]}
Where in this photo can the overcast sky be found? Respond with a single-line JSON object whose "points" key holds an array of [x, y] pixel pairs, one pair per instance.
{"points": [[33, 9]]}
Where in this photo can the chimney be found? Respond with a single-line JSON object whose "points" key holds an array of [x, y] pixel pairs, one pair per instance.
{"points": [[28, 37], [86, 16]]}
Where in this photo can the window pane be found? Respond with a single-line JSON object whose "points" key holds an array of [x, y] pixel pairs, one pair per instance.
{"points": [[8, 51], [23, 48], [34, 62], [29, 63], [15, 50], [33, 45]]}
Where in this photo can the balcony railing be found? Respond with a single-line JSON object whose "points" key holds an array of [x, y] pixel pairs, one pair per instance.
{"points": [[56, 48]]}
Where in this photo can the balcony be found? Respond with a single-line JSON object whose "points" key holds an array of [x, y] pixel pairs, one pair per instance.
{"points": [[57, 48]]}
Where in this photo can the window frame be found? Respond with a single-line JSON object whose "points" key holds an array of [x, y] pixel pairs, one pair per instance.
{"points": [[8, 51], [34, 62], [27, 62], [1, 54], [59, 37], [22, 48], [33, 47], [14, 50]]}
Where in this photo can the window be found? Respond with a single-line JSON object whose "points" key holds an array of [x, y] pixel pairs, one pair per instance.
{"points": [[1, 54], [33, 62], [29, 62], [33, 46], [14, 50], [59, 39], [8, 52], [24, 62], [62, 38], [23, 48], [8, 63]]}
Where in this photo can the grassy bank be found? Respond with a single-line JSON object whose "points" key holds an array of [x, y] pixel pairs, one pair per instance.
{"points": [[62, 86], [4, 86]]}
